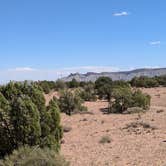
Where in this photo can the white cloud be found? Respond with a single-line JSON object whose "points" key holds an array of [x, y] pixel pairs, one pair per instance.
{"points": [[22, 69], [154, 43], [121, 14]]}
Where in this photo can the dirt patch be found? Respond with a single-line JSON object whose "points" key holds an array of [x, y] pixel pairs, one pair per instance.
{"points": [[82, 145], [50, 96]]}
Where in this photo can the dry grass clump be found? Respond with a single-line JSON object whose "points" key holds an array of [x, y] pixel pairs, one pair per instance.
{"points": [[105, 139], [86, 113], [67, 129], [139, 124], [134, 110], [28, 156], [139, 127], [159, 111]]}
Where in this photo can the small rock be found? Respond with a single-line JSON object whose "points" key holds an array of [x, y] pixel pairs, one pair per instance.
{"points": [[159, 111], [62, 141]]}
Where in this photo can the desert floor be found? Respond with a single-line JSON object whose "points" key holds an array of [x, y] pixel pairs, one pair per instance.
{"points": [[133, 146]]}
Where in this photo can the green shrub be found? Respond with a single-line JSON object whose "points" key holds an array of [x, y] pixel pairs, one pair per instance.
{"points": [[60, 85], [140, 100], [124, 98], [144, 81], [161, 80], [47, 86], [26, 156], [88, 93], [51, 130], [25, 120], [121, 83], [73, 83], [71, 102], [104, 87]]}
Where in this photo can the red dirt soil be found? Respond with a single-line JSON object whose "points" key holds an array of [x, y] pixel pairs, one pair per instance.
{"points": [[138, 147]]}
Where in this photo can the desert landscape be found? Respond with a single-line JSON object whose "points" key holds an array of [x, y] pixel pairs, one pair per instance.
{"points": [[82, 83], [135, 139]]}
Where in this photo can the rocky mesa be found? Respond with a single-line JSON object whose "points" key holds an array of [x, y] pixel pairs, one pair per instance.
{"points": [[122, 75]]}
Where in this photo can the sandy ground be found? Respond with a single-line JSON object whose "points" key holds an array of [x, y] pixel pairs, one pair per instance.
{"points": [[49, 96], [128, 147]]}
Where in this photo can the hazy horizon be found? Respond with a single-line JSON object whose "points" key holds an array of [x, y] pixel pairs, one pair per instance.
{"points": [[22, 74]]}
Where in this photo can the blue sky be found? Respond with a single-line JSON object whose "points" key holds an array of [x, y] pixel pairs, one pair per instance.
{"points": [[42, 39]]}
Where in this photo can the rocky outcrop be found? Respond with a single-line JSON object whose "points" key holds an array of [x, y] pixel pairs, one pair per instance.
{"points": [[123, 75]]}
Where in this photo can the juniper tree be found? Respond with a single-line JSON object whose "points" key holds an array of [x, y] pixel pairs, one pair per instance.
{"points": [[24, 118]]}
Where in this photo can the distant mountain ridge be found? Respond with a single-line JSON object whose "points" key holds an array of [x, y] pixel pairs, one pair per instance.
{"points": [[122, 75]]}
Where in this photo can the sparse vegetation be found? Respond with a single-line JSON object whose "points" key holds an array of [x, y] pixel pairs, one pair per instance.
{"points": [[139, 127], [124, 98], [121, 100], [105, 139], [60, 85], [144, 82], [70, 102], [104, 87], [88, 93], [26, 120], [148, 82], [47, 86], [134, 110], [73, 83], [140, 100], [28, 156], [160, 111]]}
